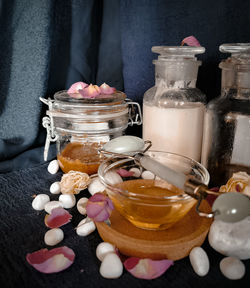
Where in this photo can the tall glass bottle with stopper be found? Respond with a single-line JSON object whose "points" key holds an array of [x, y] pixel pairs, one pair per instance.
{"points": [[173, 109], [226, 143]]}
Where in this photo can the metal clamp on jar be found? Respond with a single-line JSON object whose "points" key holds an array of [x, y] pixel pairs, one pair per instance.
{"points": [[80, 127]]}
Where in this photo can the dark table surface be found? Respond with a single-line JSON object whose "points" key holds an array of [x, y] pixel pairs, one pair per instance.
{"points": [[22, 231]]}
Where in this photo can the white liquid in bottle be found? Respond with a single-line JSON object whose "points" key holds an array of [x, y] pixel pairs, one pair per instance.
{"points": [[175, 129]]}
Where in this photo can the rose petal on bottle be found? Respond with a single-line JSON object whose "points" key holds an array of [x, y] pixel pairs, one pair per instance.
{"points": [[92, 91], [106, 89], [99, 207], [190, 41], [51, 261], [146, 268], [57, 218], [74, 88]]}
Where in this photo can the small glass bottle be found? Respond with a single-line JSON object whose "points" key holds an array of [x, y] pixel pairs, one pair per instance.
{"points": [[226, 142], [173, 109], [80, 127]]}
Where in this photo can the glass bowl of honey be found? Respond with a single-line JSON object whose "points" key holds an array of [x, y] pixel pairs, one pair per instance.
{"points": [[144, 199]]}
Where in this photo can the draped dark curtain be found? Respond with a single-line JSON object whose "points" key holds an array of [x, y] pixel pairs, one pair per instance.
{"points": [[48, 45]]}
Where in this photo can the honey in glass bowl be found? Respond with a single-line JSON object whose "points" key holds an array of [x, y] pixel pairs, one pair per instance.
{"points": [[152, 204]]}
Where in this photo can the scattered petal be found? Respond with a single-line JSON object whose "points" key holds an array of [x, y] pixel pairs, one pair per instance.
{"points": [[190, 41], [92, 91], [51, 261], [57, 218], [146, 268], [124, 173], [73, 182], [74, 89], [106, 89], [99, 207]]}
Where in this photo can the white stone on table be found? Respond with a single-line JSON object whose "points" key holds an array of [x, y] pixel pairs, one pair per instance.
{"points": [[53, 167], [199, 261], [55, 188], [111, 267], [232, 268], [103, 249], [67, 200], [40, 201], [52, 205], [231, 239]]}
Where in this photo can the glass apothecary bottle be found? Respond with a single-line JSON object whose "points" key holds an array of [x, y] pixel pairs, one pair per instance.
{"points": [[173, 109], [226, 143], [81, 126]]}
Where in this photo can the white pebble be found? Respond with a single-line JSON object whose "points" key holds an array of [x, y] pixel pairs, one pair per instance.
{"points": [[52, 205], [232, 268], [147, 175], [103, 249], [39, 202], [53, 167], [81, 205], [55, 188], [231, 239], [113, 178], [95, 186], [85, 227], [53, 236], [137, 172], [111, 267], [67, 200], [199, 261]]}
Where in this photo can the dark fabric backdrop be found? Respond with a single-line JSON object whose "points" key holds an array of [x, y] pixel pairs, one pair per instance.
{"points": [[48, 45]]}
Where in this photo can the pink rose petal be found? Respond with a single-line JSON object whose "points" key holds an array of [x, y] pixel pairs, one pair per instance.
{"points": [[147, 268], [124, 173], [92, 91], [57, 218], [99, 207], [190, 41], [51, 261], [74, 89], [106, 89]]}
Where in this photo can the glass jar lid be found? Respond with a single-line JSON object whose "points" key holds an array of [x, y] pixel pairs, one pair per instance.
{"points": [[235, 48], [177, 51]]}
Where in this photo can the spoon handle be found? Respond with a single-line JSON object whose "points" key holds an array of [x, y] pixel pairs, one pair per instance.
{"points": [[176, 178]]}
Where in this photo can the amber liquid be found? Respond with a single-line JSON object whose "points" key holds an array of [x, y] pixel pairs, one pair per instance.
{"points": [[154, 214], [80, 157]]}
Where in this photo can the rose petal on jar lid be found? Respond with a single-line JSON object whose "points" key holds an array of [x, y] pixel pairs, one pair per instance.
{"points": [[57, 218], [99, 207], [74, 88], [190, 41], [146, 268], [106, 89], [92, 91], [51, 261]]}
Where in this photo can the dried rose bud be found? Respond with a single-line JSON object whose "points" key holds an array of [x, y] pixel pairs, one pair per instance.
{"points": [[74, 89], [92, 91], [106, 89]]}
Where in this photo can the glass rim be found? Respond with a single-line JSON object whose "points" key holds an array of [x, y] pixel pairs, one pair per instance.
{"points": [[104, 99], [178, 50], [235, 48], [180, 197]]}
